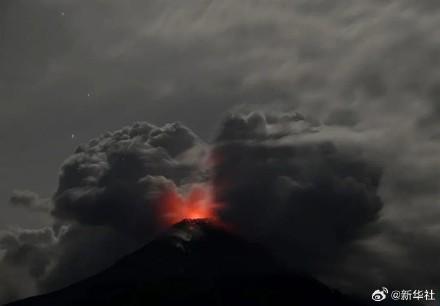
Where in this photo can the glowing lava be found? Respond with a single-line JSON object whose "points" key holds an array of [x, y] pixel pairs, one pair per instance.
{"points": [[198, 204]]}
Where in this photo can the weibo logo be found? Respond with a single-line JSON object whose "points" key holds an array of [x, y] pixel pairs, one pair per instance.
{"points": [[379, 295]]}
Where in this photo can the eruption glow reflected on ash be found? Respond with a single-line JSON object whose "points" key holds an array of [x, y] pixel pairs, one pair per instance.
{"points": [[199, 203]]}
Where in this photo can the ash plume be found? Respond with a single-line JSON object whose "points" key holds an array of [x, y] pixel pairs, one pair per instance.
{"points": [[306, 198], [105, 206]]}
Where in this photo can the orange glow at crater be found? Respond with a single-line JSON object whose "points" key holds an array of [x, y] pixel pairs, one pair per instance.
{"points": [[197, 204]]}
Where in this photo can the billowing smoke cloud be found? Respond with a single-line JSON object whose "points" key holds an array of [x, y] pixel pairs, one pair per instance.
{"points": [[317, 195], [25, 256], [115, 180], [306, 198], [356, 207], [106, 204]]}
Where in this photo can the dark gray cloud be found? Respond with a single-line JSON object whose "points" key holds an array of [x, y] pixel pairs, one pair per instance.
{"points": [[114, 180], [30, 200], [333, 201], [106, 204], [28, 250], [25, 256], [306, 198], [342, 117], [82, 251]]}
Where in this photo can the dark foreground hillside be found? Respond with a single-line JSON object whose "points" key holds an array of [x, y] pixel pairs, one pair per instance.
{"points": [[195, 263]]}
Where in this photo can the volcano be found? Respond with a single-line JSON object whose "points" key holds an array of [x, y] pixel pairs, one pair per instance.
{"points": [[196, 262]]}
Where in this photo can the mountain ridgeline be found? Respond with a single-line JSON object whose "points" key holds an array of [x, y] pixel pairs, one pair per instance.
{"points": [[195, 262]]}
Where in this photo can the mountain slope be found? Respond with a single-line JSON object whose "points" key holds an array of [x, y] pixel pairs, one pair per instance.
{"points": [[194, 263]]}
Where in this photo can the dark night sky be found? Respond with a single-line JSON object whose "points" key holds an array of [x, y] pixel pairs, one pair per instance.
{"points": [[72, 70]]}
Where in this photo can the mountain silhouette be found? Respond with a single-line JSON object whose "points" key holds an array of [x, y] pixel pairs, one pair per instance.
{"points": [[196, 262]]}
